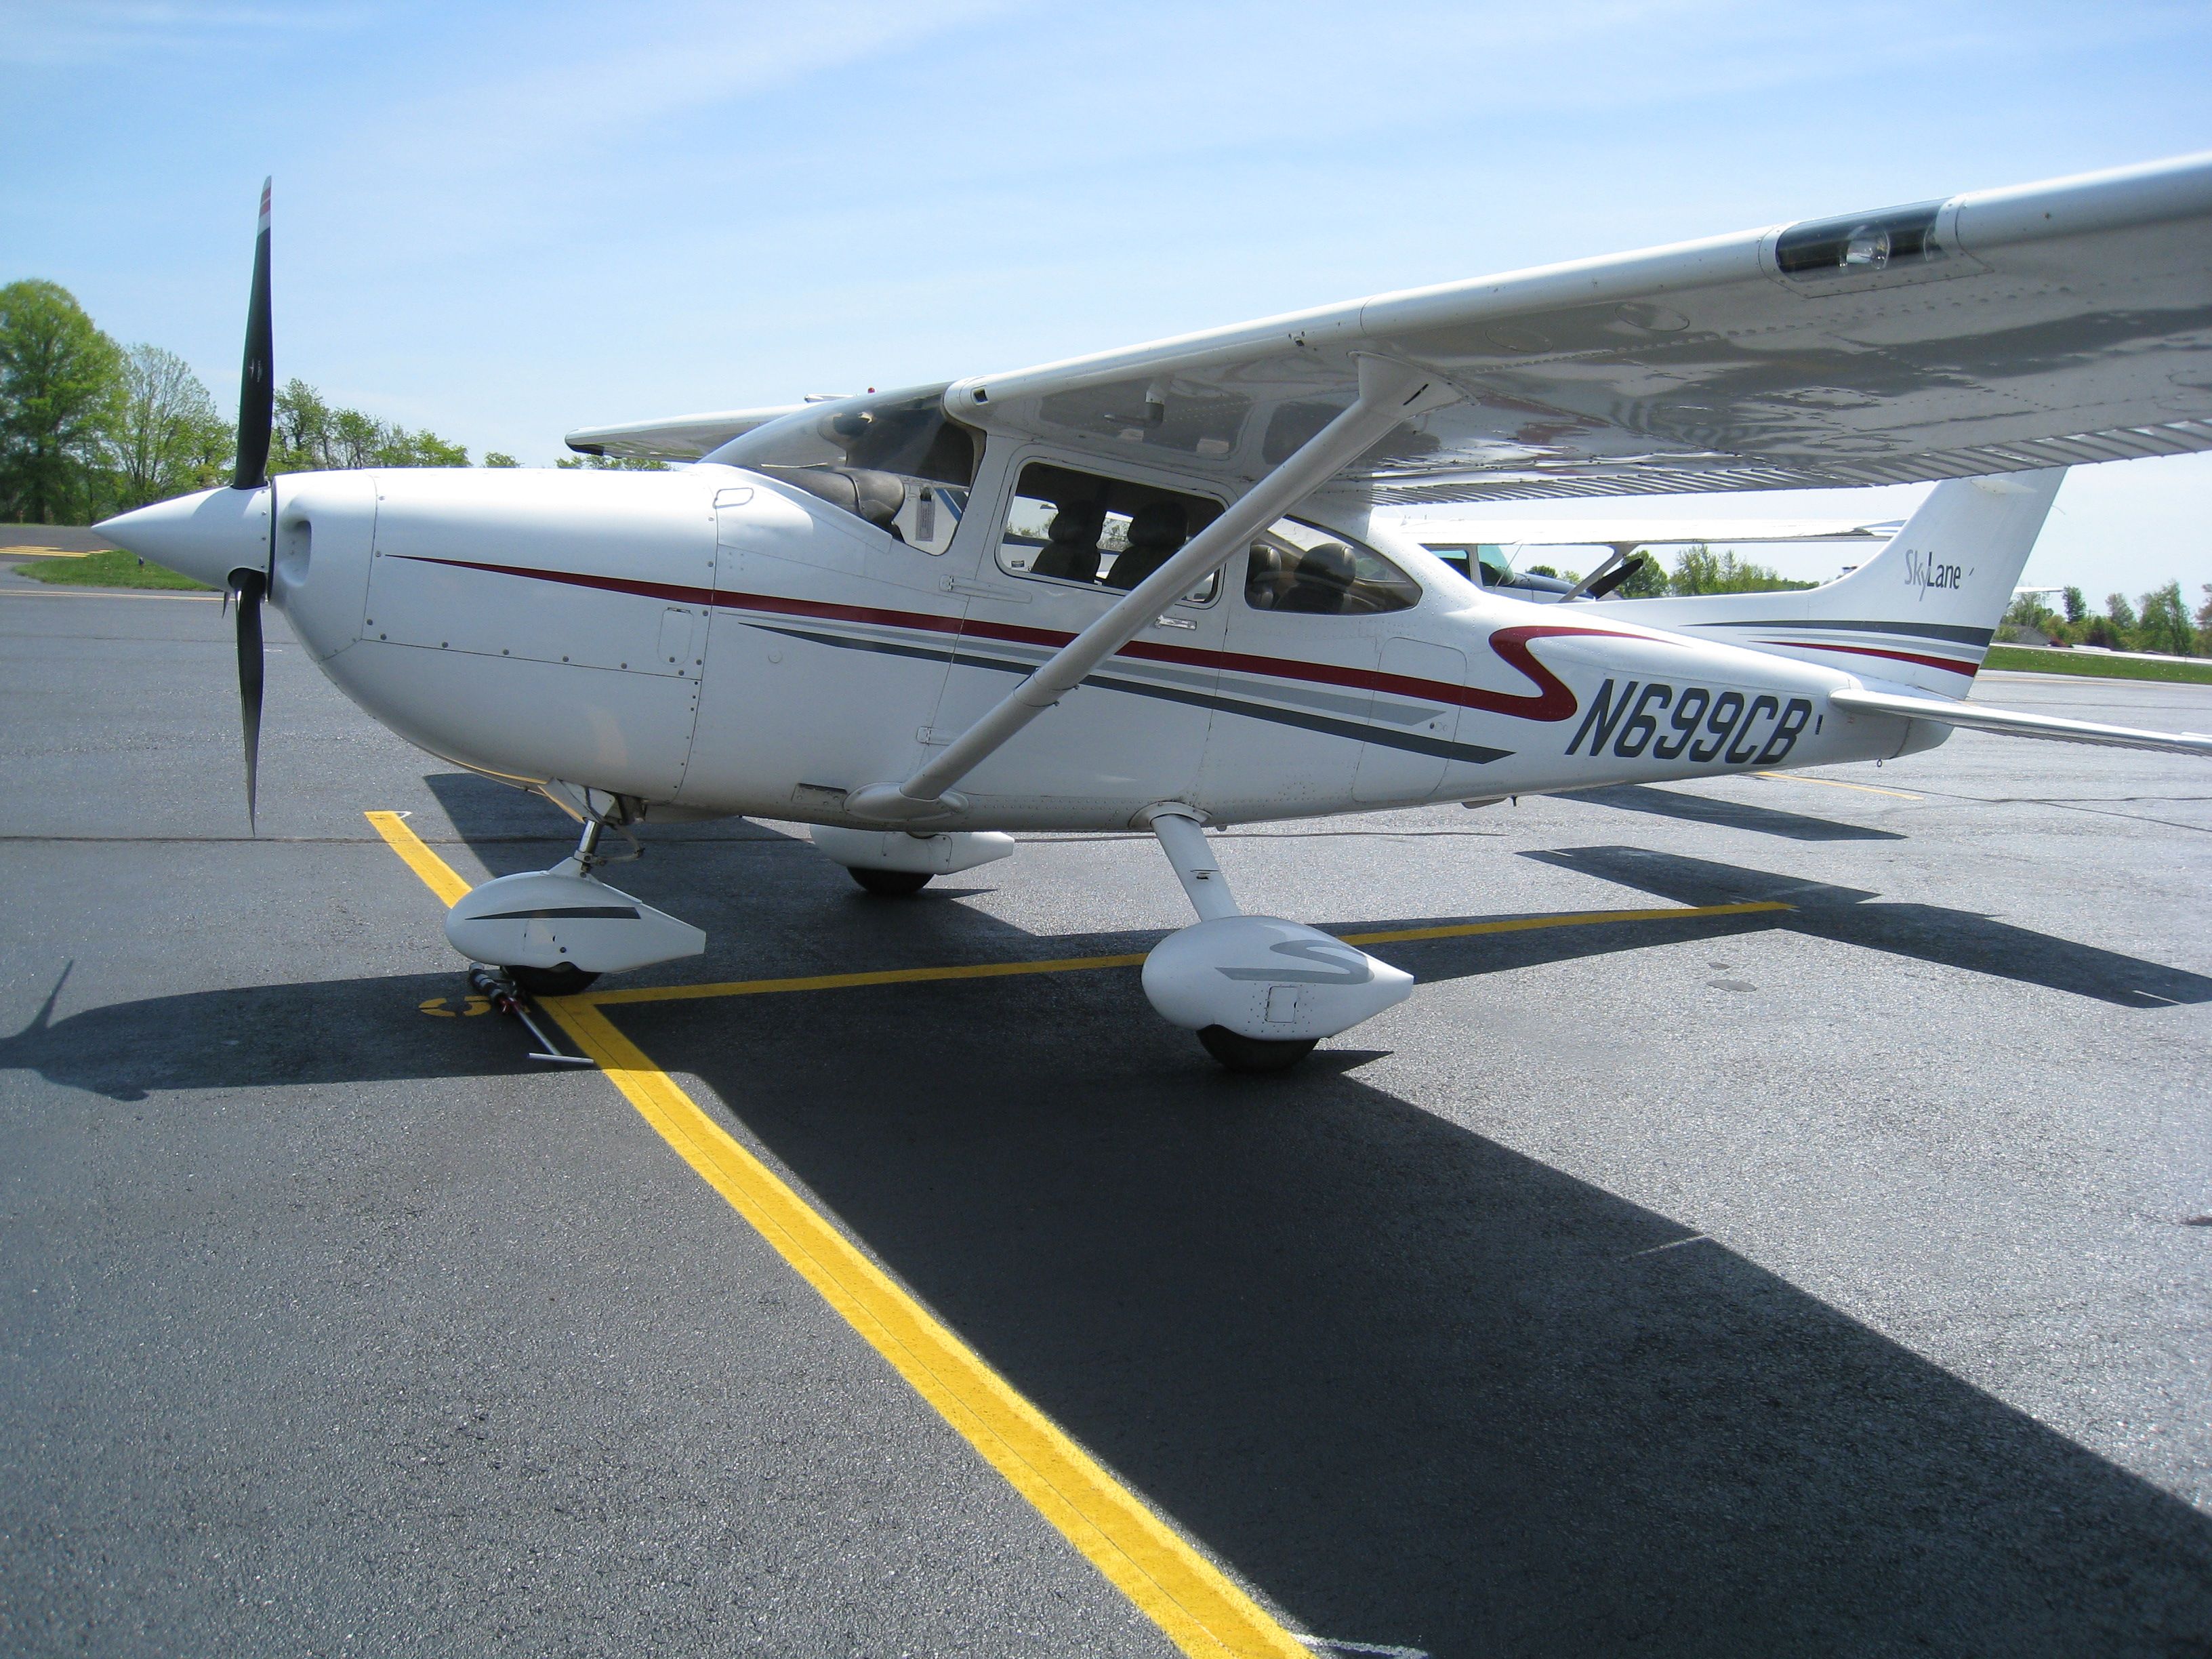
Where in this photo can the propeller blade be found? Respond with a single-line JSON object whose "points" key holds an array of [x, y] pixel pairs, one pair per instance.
{"points": [[257, 388], [252, 585]]}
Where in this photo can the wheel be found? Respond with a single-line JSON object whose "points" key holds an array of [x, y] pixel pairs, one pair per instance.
{"points": [[889, 883], [1242, 1054], [564, 981]]}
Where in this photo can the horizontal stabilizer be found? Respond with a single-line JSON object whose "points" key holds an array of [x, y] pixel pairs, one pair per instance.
{"points": [[2011, 724]]}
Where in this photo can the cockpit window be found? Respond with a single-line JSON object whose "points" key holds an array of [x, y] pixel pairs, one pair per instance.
{"points": [[1305, 570], [1075, 526], [892, 459]]}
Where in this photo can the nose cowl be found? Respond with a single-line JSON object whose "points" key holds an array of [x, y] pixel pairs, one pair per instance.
{"points": [[205, 537]]}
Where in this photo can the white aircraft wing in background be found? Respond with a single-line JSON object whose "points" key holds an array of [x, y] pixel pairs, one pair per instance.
{"points": [[678, 438], [2046, 325], [1433, 533]]}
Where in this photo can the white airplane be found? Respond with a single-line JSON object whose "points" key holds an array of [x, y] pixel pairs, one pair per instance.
{"points": [[1476, 547], [1159, 588]]}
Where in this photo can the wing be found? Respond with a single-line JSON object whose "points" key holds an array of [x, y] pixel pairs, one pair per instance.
{"points": [[1635, 531], [2010, 724], [684, 438], [2047, 325]]}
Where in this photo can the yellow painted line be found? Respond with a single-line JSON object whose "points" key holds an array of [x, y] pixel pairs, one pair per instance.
{"points": [[1188, 1598], [437, 876], [46, 552], [1835, 783], [752, 987]]}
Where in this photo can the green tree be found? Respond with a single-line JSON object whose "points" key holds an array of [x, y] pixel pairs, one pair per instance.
{"points": [[612, 462], [1701, 570], [2164, 623], [2123, 620], [60, 386], [2028, 613], [499, 458], [313, 436], [1647, 580], [2077, 608], [167, 437]]}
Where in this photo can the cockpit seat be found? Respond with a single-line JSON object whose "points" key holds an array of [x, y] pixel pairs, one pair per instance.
{"points": [[1157, 530], [1071, 548], [1322, 582], [1266, 575]]}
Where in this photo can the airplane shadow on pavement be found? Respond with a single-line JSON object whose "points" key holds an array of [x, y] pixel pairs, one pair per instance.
{"points": [[1728, 814], [1421, 1390], [1926, 932]]}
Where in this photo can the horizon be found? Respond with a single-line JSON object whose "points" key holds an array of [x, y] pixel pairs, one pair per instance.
{"points": [[507, 224]]}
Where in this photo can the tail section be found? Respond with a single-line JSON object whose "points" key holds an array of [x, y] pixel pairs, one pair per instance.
{"points": [[1920, 613]]}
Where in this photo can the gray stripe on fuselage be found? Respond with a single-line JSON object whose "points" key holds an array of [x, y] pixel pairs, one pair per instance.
{"points": [[1475, 754]]}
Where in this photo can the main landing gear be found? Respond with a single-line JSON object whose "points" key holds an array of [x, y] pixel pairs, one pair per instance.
{"points": [[899, 863], [890, 884], [1259, 991]]}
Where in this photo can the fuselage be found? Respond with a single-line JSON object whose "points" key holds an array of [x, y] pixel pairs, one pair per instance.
{"points": [[721, 643]]}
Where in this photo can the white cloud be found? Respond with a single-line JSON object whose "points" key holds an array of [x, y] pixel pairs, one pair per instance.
{"points": [[92, 32]]}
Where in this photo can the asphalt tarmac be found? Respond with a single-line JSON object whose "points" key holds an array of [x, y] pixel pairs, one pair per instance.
{"points": [[1822, 1280]]}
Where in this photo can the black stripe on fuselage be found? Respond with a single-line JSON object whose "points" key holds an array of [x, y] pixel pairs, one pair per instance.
{"points": [[1954, 634]]}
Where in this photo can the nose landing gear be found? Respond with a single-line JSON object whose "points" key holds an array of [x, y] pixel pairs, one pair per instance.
{"points": [[553, 931], [507, 996]]}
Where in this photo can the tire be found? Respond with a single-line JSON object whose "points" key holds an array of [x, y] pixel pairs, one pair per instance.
{"points": [[890, 884], [1239, 1053], [564, 981]]}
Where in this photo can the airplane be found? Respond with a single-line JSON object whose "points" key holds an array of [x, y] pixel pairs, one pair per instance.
{"points": [[1160, 587], [1476, 547]]}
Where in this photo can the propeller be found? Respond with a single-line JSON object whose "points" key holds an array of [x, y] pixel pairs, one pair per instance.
{"points": [[257, 412]]}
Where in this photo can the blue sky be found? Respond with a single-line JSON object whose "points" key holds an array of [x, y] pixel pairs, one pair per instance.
{"points": [[504, 221]]}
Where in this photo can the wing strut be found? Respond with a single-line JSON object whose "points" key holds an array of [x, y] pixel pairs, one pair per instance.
{"points": [[1389, 392]]}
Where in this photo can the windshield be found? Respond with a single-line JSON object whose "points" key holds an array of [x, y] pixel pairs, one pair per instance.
{"points": [[886, 457]]}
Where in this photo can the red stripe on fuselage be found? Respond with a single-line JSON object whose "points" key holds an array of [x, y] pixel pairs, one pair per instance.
{"points": [[1554, 700]]}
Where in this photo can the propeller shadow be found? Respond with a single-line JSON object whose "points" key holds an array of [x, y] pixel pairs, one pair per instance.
{"points": [[325, 1031]]}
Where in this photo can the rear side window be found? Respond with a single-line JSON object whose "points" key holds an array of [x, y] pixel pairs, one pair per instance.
{"points": [[1304, 570], [1069, 526]]}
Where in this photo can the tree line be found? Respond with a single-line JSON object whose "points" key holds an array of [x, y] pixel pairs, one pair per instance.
{"points": [[90, 428], [2159, 621], [1697, 569]]}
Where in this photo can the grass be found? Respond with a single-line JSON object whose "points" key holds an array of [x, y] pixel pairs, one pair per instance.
{"points": [[2095, 664], [109, 568]]}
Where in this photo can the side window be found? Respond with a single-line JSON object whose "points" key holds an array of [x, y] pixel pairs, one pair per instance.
{"points": [[1073, 526], [1306, 570]]}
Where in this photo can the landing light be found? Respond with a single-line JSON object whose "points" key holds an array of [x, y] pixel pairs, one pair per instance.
{"points": [[1868, 249]]}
